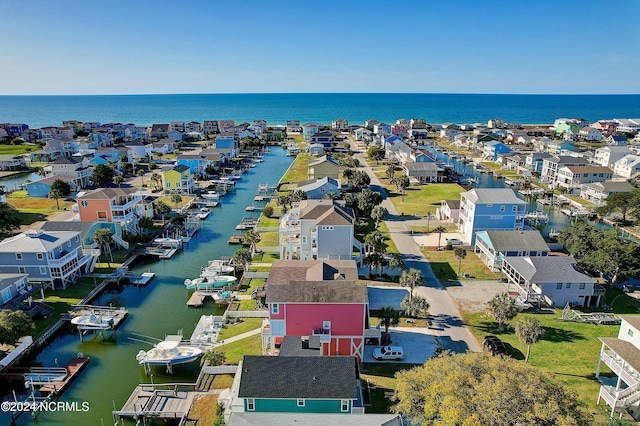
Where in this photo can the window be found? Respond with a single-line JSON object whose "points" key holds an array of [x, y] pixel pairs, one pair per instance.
{"points": [[514, 208], [22, 270], [502, 208], [300, 403], [69, 243], [19, 256], [630, 332], [304, 239], [489, 205], [40, 256], [567, 285], [77, 238], [251, 404], [43, 270], [344, 405], [83, 203], [559, 286], [275, 308], [582, 286]]}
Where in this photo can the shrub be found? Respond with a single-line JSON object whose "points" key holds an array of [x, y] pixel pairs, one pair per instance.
{"points": [[268, 211]]}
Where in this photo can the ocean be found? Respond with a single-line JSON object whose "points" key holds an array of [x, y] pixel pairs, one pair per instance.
{"points": [[144, 110]]}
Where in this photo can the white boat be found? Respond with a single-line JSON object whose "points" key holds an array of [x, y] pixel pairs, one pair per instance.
{"points": [[144, 279], [537, 216], [236, 176], [92, 322], [209, 282], [204, 213], [211, 195], [216, 267], [168, 242], [169, 352]]}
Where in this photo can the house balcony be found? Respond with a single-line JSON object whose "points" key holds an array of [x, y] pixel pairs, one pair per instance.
{"points": [[324, 334], [122, 218], [617, 365], [126, 206], [57, 263], [266, 328]]}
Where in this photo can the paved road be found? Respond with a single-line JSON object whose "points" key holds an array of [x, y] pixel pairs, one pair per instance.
{"points": [[446, 320]]}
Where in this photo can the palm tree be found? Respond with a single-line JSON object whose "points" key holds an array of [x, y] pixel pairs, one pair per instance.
{"points": [[118, 180], [140, 173], [396, 262], [156, 180], [390, 172], [213, 357], [502, 308], [439, 230], [389, 317], [241, 257], [161, 208], [176, 199], [378, 214], [415, 307], [252, 237], [373, 260], [411, 278], [402, 183], [460, 253], [374, 241], [529, 332], [103, 238]]}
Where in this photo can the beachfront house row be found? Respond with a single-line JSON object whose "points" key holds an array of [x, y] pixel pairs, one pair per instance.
{"points": [[53, 259], [552, 280], [573, 177], [628, 166], [77, 168], [210, 127], [607, 155], [493, 246], [318, 229], [297, 385], [483, 209], [179, 179], [318, 306], [123, 206], [340, 125], [318, 188], [423, 172], [621, 355], [598, 192], [324, 166], [293, 126]]}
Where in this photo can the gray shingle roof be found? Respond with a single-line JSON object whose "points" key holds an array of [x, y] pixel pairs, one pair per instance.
{"points": [[626, 350], [504, 241], [492, 196], [107, 193], [634, 320], [423, 165], [323, 159], [285, 271], [548, 269], [297, 346], [317, 292], [36, 241], [326, 212], [298, 377]]}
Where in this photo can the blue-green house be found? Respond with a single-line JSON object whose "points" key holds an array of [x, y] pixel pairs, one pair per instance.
{"points": [[300, 384]]}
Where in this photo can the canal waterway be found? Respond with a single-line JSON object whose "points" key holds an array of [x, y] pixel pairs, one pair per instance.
{"points": [[14, 182], [156, 310]]}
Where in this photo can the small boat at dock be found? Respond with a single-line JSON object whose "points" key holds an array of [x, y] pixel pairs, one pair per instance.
{"points": [[203, 213], [93, 322], [209, 282], [169, 352]]}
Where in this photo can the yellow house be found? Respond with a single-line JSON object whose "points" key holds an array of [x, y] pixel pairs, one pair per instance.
{"points": [[178, 179], [324, 166]]}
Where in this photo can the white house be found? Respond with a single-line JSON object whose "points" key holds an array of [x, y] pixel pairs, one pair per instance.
{"points": [[590, 134], [627, 166], [598, 192], [572, 177], [607, 155]]}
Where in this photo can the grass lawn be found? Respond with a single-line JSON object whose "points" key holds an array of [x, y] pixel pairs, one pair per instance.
{"points": [[61, 301], [269, 239], [423, 199], [186, 199], [298, 170], [247, 305], [568, 350], [21, 202], [252, 284], [391, 246], [234, 351], [447, 261], [247, 324], [424, 230], [265, 257], [17, 149], [203, 410], [382, 384], [268, 221]]}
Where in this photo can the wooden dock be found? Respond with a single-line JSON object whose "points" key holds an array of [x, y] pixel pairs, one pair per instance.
{"points": [[196, 300], [117, 314], [73, 367], [236, 239]]}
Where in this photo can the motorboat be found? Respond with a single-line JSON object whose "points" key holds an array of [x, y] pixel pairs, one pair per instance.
{"points": [[211, 195], [203, 213], [92, 322], [537, 216], [168, 352], [216, 267], [209, 282]]}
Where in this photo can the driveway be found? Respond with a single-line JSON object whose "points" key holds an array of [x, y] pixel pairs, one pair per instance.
{"points": [[380, 297], [431, 240], [418, 344]]}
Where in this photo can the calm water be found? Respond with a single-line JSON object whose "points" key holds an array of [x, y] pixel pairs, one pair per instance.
{"points": [[39, 111], [156, 310]]}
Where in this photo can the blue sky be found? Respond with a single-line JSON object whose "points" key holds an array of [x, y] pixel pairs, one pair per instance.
{"points": [[277, 46]]}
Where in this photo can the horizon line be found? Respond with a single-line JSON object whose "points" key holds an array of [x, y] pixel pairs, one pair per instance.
{"points": [[323, 93]]}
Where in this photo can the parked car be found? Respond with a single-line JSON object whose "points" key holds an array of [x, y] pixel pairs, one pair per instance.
{"points": [[388, 352], [494, 345], [454, 241]]}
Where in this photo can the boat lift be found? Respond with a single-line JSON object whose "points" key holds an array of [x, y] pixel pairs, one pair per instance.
{"points": [[568, 314]]}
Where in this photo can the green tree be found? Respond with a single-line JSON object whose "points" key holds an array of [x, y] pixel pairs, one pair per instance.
{"points": [[9, 220], [396, 262], [103, 238], [374, 241], [402, 183], [156, 181], [118, 180], [378, 214], [502, 308], [415, 307], [59, 189], [14, 325], [375, 153], [439, 230], [213, 357], [298, 195], [267, 211], [389, 317], [348, 175], [284, 201], [242, 257], [373, 260], [480, 389], [176, 199], [622, 202], [460, 254], [252, 237], [161, 208], [140, 173], [411, 278], [145, 222], [366, 201], [529, 332], [102, 175], [390, 173]]}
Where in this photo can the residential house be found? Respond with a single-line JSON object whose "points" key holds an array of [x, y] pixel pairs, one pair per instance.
{"points": [[192, 127], [551, 165], [260, 419], [15, 129], [13, 288], [112, 205], [556, 147], [418, 123], [316, 149], [495, 123], [493, 246], [293, 126], [590, 134], [400, 129], [87, 231], [163, 146], [418, 133], [210, 127], [138, 151], [483, 209], [310, 129], [340, 125], [324, 166], [607, 155], [449, 210], [616, 140], [54, 259], [362, 134], [423, 172], [325, 138], [178, 126], [225, 126], [42, 187], [492, 149], [381, 129], [274, 135], [321, 300], [318, 229], [312, 385], [179, 179], [225, 140], [77, 168], [514, 160], [420, 156], [12, 162], [573, 177], [598, 192], [627, 125], [103, 136], [318, 188], [553, 280], [620, 358], [628, 166]]}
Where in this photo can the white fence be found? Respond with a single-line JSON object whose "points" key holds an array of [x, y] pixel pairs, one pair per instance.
{"points": [[256, 275], [247, 314], [7, 360]]}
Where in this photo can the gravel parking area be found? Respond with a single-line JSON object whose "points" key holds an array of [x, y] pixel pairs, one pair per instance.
{"points": [[473, 295], [417, 342]]}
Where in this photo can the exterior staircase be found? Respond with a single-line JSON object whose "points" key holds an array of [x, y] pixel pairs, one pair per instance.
{"points": [[122, 243]]}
